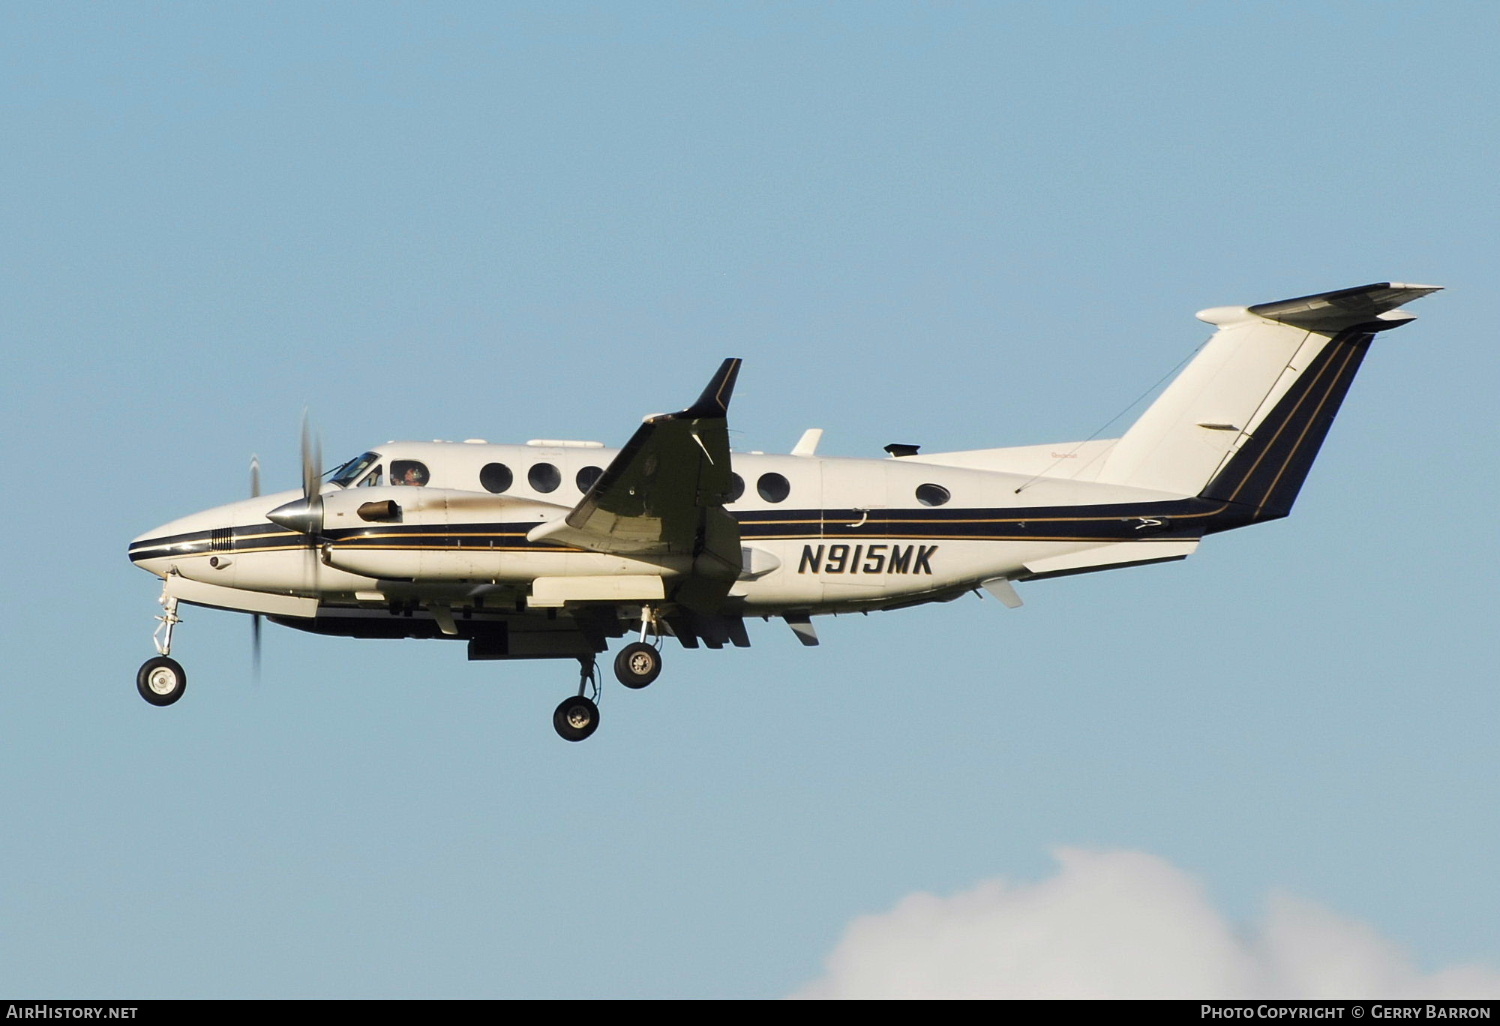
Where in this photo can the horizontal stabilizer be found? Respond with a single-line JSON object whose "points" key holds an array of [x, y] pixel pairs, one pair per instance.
{"points": [[1330, 312]]}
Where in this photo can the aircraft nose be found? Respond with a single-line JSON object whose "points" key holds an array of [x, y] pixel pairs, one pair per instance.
{"points": [[194, 535], [152, 548]]}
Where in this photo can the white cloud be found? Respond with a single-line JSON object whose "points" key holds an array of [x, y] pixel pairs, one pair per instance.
{"points": [[1121, 925]]}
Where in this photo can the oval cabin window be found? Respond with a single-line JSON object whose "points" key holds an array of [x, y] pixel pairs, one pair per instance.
{"points": [[587, 476], [773, 487], [544, 477], [736, 488], [932, 495], [496, 477]]}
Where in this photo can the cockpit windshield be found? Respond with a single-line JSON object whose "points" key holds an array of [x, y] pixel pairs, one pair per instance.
{"points": [[347, 474]]}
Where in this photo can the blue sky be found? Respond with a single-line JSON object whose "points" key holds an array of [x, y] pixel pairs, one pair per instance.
{"points": [[959, 225]]}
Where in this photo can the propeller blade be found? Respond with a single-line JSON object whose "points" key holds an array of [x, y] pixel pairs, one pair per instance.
{"points": [[304, 515], [255, 646], [312, 480], [314, 562], [255, 619], [312, 461]]}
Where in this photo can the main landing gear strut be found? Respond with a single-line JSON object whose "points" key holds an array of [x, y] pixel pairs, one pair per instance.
{"points": [[637, 665], [162, 680]]}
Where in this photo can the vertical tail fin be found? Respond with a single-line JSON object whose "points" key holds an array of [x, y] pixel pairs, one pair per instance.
{"points": [[1244, 421]]}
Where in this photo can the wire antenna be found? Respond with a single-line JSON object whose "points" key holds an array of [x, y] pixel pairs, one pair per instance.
{"points": [[1106, 425]]}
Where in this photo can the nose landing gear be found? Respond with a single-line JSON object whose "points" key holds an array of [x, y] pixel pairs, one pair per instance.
{"points": [[162, 680]]}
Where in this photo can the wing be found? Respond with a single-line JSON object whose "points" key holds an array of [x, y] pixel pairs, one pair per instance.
{"points": [[664, 493]]}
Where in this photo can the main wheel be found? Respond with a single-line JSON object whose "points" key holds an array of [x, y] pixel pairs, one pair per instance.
{"points": [[637, 665], [576, 718], [161, 681]]}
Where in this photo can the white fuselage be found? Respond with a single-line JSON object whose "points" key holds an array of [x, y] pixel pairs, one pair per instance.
{"points": [[818, 534]]}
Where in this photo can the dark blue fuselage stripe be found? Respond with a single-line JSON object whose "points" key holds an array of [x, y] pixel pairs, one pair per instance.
{"points": [[1183, 518]]}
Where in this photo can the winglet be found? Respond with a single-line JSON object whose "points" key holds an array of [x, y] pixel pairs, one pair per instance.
{"points": [[714, 402]]}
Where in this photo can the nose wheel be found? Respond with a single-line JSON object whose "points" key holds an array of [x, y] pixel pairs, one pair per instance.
{"points": [[161, 680]]}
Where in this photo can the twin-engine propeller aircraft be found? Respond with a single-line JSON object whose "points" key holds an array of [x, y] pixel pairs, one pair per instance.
{"points": [[550, 549]]}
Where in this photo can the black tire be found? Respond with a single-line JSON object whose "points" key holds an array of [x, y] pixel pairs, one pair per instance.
{"points": [[161, 681], [637, 665], [576, 718]]}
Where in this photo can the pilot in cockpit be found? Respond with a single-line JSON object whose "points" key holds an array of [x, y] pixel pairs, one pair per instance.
{"points": [[408, 472]]}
